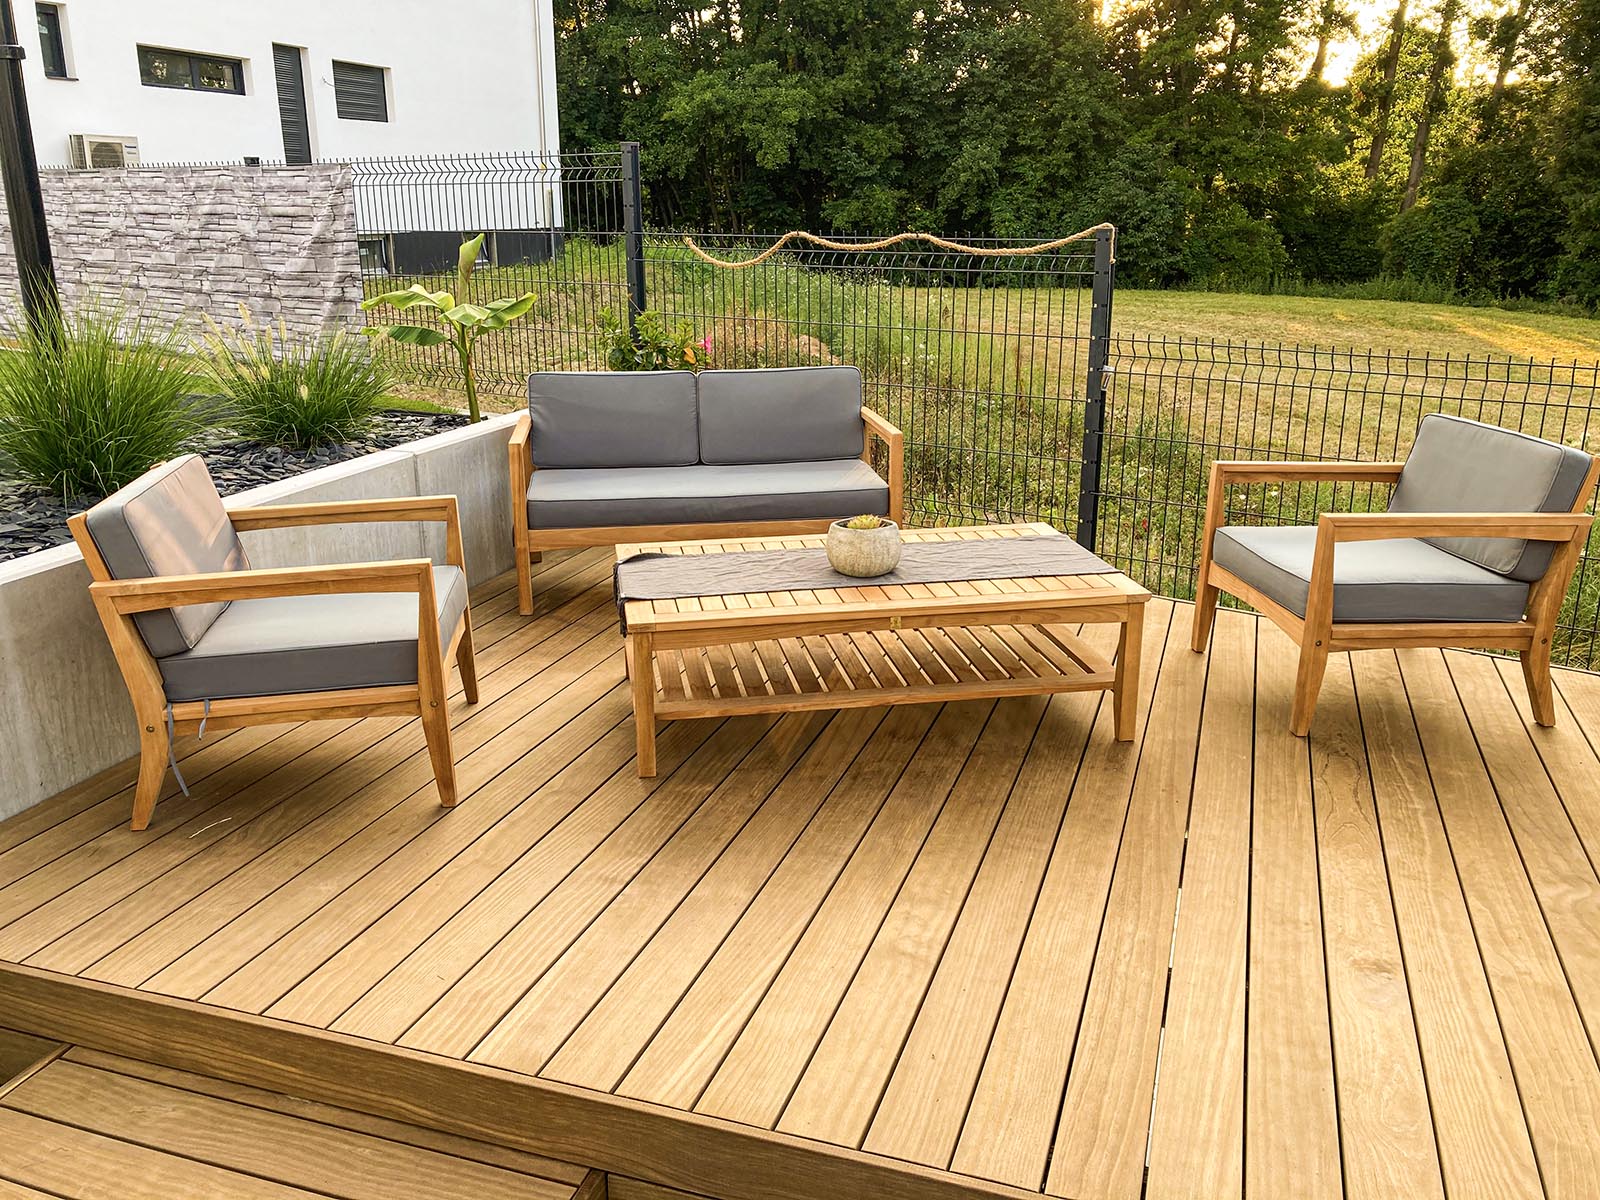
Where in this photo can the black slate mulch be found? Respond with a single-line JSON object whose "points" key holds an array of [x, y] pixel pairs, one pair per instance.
{"points": [[34, 519]]}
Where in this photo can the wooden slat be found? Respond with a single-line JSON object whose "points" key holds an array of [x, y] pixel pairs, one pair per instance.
{"points": [[1385, 1122], [673, 1065], [1484, 1148], [1200, 1089], [284, 1148], [1544, 1032], [1289, 1053], [921, 1113], [1012, 1118], [1102, 1134], [838, 1094], [763, 1064]]}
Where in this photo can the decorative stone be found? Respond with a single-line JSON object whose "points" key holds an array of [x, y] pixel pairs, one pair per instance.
{"points": [[864, 553]]}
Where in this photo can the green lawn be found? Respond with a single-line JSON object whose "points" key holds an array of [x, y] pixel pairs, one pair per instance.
{"points": [[1357, 324]]}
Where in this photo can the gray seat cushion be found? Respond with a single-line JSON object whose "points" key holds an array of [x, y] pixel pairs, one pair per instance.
{"points": [[169, 521], [705, 494], [613, 419], [1462, 466], [1401, 579], [784, 414], [312, 643]]}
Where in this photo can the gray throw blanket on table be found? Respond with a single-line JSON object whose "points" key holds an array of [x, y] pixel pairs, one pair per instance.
{"points": [[675, 576]]}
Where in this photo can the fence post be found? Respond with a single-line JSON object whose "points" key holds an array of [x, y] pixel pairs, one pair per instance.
{"points": [[633, 230], [1094, 416]]}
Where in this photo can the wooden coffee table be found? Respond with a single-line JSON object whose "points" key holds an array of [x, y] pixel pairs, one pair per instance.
{"points": [[764, 652]]}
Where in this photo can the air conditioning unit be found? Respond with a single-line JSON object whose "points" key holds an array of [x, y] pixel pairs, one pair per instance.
{"points": [[91, 151]]}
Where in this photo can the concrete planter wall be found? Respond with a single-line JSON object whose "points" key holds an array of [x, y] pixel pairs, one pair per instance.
{"points": [[66, 712]]}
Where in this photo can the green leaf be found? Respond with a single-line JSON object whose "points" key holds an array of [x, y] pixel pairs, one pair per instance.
{"points": [[411, 335], [503, 312], [413, 295], [467, 314], [466, 258]]}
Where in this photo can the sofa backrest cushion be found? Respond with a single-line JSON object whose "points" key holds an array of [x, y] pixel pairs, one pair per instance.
{"points": [[783, 414], [169, 521], [1462, 466], [613, 419]]}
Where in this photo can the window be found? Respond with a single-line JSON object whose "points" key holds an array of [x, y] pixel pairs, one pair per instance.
{"points": [[52, 47], [360, 93], [194, 72]]}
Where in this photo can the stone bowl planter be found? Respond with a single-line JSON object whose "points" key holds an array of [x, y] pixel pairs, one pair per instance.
{"points": [[864, 553]]}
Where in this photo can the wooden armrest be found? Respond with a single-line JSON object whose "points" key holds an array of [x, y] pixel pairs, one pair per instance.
{"points": [[400, 508], [879, 427], [1532, 527], [172, 591], [896, 441], [521, 456], [1242, 472]]}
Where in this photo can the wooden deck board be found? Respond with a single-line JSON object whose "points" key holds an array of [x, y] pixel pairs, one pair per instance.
{"points": [[976, 949], [92, 1125]]}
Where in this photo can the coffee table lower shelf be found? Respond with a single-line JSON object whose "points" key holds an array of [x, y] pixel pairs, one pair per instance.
{"points": [[862, 669]]}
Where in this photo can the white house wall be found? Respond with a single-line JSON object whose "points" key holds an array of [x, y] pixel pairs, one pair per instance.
{"points": [[492, 60]]}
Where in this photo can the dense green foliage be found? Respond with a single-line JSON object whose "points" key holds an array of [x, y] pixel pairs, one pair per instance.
{"points": [[651, 345], [1203, 128], [89, 400], [302, 392]]}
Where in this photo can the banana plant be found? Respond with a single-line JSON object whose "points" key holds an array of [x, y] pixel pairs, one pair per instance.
{"points": [[464, 321]]}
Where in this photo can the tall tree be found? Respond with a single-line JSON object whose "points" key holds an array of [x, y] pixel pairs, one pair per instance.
{"points": [[1385, 98], [1331, 19], [1443, 62]]}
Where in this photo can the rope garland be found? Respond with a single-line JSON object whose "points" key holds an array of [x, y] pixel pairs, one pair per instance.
{"points": [[800, 235]]}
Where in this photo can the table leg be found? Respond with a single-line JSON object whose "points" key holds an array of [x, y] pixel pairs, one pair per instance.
{"points": [[1125, 690], [642, 676]]}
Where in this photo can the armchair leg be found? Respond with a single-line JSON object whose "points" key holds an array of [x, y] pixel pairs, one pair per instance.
{"points": [[1536, 673], [1307, 683], [1205, 613], [525, 580], [466, 663], [152, 774], [436, 727]]}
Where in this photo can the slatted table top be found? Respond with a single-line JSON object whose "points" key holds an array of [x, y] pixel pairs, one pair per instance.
{"points": [[966, 599]]}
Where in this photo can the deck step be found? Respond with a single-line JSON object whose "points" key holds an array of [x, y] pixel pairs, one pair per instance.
{"points": [[87, 1124]]}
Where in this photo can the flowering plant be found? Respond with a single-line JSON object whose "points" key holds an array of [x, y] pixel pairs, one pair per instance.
{"points": [[651, 345]]}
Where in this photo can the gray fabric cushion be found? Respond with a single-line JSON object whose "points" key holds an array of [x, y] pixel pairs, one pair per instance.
{"points": [[1400, 579], [169, 521], [703, 495], [787, 414], [613, 419], [1462, 466], [312, 643]]}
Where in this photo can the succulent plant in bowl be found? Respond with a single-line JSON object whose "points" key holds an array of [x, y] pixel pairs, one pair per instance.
{"points": [[864, 546]]}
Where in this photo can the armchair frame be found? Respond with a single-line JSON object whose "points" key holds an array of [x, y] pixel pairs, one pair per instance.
{"points": [[1318, 635], [531, 543], [117, 602]]}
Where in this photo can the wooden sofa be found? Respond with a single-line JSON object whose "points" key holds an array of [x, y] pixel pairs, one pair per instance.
{"points": [[604, 457]]}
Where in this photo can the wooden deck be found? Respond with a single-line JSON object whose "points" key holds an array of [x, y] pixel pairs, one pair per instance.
{"points": [[977, 949], [81, 1125]]}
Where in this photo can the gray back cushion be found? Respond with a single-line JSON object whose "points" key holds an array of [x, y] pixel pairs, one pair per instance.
{"points": [[613, 419], [169, 521], [785, 414], [1462, 466]]}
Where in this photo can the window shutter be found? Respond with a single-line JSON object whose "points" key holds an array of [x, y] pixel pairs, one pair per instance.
{"points": [[358, 92]]}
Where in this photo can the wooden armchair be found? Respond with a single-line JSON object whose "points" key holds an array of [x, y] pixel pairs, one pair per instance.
{"points": [[1483, 533], [204, 641]]}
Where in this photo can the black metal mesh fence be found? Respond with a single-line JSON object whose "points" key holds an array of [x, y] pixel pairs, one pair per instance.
{"points": [[1176, 404], [980, 360]]}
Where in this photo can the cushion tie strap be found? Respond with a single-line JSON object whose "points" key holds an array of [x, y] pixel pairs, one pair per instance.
{"points": [[172, 750]]}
